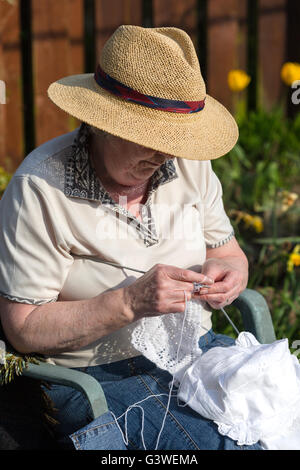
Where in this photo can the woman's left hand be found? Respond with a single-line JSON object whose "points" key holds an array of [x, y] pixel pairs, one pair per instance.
{"points": [[230, 280]]}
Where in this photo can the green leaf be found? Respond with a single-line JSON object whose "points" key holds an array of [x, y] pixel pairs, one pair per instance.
{"points": [[276, 241]]}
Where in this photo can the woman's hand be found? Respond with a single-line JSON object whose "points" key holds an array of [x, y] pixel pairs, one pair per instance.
{"points": [[231, 278], [161, 290]]}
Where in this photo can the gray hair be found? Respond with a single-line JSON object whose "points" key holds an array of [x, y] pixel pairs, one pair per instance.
{"points": [[98, 132]]}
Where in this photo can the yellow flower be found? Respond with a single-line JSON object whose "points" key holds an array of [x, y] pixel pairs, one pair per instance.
{"points": [[253, 221], [287, 200], [250, 220], [258, 224], [247, 218], [294, 258], [4, 180], [290, 72], [238, 80]]}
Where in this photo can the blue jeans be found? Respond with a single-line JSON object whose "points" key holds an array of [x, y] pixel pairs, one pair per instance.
{"points": [[125, 383]]}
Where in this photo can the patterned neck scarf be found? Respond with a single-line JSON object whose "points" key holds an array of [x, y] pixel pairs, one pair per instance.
{"points": [[81, 181]]}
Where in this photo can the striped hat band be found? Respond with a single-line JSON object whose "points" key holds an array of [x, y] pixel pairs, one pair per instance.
{"points": [[122, 91]]}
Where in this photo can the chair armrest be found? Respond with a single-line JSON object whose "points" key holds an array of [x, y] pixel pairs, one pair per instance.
{"points": [[256, 315], [256, 319], [71, 378]]}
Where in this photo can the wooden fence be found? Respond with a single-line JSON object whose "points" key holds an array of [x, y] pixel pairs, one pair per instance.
{"points": [[44, 40]]}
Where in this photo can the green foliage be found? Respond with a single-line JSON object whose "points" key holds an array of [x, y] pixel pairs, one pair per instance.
{"points": [[14, 365], [260, 179], [5, 178], [264, 160]]}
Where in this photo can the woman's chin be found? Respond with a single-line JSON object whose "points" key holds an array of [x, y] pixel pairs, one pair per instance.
{"points": [[141, 177]]}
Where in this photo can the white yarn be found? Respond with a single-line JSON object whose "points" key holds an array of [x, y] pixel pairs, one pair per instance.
{"points": [[177, 363], [149, 336], [141, 341], [136, 405], [250, 390], [159, 338]]}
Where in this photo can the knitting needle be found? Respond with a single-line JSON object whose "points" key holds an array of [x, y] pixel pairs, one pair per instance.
{"points": [[230, 321], [197, 285], [92, 258]]}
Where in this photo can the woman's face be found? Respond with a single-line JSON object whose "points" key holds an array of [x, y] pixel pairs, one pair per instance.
{"points": [[126, 163]]}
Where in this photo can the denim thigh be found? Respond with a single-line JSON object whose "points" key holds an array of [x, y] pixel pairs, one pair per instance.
{"points": [[137, 381]]}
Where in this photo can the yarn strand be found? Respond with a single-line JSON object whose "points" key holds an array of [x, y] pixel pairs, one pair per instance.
{"points": [[172, 383], [169, 395]]}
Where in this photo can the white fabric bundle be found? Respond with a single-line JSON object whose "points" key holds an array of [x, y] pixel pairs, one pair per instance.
{"points": [[250, 390], [158, 339]]}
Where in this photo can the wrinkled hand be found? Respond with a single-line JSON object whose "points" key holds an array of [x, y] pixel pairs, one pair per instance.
{"points": [[230, 280], [161, 290]]}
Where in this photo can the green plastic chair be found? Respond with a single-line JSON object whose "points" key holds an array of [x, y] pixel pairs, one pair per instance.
{"points": [[256, 319]]}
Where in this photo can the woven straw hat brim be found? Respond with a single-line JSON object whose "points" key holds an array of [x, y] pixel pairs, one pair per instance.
{"points": [[205, 135]]}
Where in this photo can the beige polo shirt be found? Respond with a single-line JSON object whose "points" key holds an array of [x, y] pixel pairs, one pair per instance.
{"points": [[57, 222]]}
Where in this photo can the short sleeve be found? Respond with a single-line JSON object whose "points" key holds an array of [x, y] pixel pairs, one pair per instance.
{"points": [[34, 260], [217, 226]]}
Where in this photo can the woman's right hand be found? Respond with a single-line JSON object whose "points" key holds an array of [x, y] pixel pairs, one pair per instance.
{"points": [[161, 290]]}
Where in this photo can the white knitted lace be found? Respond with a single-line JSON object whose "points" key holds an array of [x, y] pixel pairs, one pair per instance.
{"points": [[157, 338], [250, 390]]}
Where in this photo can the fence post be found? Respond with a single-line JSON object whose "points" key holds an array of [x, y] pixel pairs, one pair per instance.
{"points": [[110, 14], [226, 47], [57, 52], [147, 13], [89, 36], [293, 53], [27, 75], [181, 15], [252, 52], [11, 114], [272, 51]]}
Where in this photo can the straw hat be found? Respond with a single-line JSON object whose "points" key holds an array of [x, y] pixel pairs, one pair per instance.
{"points": [[148, 89]]}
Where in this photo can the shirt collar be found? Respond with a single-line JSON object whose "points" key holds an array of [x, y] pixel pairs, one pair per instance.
{"points": [[81, 180]]}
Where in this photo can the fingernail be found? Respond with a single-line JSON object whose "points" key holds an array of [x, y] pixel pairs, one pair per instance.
{"points": [[208, 280], [204, 291]]}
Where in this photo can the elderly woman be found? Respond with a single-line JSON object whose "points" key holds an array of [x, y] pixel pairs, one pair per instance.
{"points": [[115, 222]]}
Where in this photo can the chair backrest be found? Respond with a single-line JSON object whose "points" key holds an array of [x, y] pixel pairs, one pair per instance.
{"points": [[256, 315]]}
